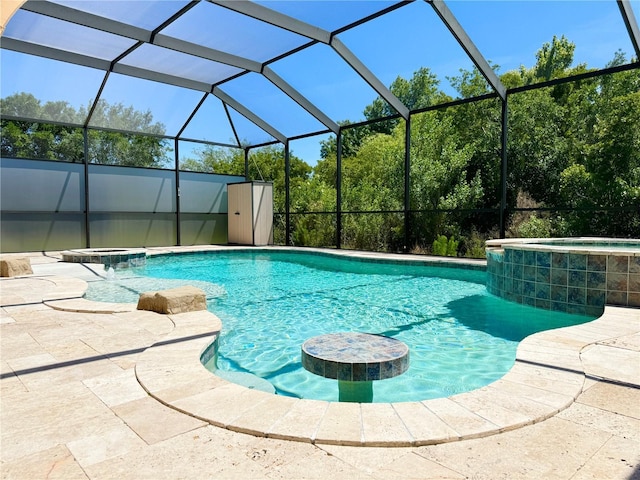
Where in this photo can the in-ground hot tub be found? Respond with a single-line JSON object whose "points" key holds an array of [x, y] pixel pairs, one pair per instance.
{"points": [[574, 275], [109, 257]]}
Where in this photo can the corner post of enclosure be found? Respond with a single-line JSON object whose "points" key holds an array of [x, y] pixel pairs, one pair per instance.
{"points": [[503, 174], [287, 199], [87, 228], [339, 189], [407, 184], [177, 193]]}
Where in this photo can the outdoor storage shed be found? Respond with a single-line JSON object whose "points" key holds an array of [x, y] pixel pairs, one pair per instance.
{"points": [[250, 213]]}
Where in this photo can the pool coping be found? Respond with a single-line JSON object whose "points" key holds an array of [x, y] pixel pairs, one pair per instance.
{"points": [[546, 378], [548, 375]]}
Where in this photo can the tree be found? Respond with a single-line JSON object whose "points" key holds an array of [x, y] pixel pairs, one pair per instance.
{"points": [[58, 141], [420, 91], [41, 141], [538, 150], [32, 139], [351, 140], [127, 149], [609, 177], [440, 176], [479, 126], [554, 59]]}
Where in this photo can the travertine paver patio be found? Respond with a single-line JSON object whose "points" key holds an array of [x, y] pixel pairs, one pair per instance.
{"points": [[73, 404]]}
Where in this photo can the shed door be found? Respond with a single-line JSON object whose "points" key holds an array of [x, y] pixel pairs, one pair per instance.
{"points": [[240, 214]]}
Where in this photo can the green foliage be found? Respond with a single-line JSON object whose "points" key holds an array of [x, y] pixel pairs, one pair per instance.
{"points": [[534, 227], [445, 247], [420, 91], [49, 141], [474, 245], [41, 141], [123, 149], [554, 58], [351, 140]]}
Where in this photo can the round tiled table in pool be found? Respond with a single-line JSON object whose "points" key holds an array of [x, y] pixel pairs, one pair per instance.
{"points": [[355, 360]]}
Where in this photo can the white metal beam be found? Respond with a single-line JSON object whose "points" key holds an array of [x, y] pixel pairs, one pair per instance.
{"points": [[254, 10], [53, 53], [154, 76]]}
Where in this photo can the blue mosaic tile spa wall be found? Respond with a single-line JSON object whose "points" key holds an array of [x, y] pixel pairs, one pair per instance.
{"points": [[572, 282]]}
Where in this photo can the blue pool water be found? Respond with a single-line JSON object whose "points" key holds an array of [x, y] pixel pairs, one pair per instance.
{"points": [[460, 337]]}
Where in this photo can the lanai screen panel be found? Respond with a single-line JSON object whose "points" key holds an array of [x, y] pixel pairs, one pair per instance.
{"points": [[329, 15], [223, 29], [248, 132], [272, 105], [51, 32], [509, 41], [424, 42], [342, 94], [50, 216], [27, 72], [149, 107], [211, 123], [145, 14], [179, 65]]}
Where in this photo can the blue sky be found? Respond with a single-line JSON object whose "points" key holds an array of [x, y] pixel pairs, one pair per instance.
{"points": [[507, 32]]}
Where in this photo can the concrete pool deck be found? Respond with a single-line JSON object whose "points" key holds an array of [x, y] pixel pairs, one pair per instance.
{"points": [[92, 390]]}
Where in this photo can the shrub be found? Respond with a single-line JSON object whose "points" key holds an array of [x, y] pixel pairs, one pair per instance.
{"points": [[445, 248]]}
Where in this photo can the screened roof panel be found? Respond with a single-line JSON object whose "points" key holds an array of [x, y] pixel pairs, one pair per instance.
{"points": [[147, 106], [342, 94], [330, 15], [27, 77], [596, 27], [308, 148], [248, 132], [390, 56], [145, 14], [223, 29], [210, 123], [272, 105], [51, 32], [170, 62]]}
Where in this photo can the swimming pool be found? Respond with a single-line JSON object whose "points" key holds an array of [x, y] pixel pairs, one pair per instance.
{"points": [[460, 337]]}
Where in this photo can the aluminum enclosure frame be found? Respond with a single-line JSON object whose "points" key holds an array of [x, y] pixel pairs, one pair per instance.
{"points": [[314, 35]]}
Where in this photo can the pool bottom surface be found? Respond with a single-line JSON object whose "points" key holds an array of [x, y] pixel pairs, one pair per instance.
{"points": [[460, 337]]}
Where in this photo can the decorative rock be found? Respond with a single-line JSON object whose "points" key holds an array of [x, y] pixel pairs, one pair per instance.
{"points": [[174, 300], [14, 267]]}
